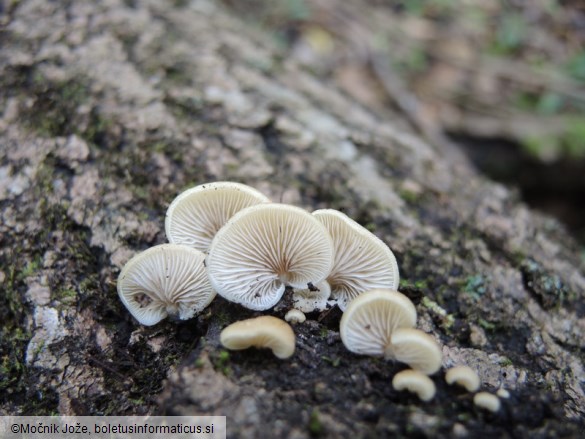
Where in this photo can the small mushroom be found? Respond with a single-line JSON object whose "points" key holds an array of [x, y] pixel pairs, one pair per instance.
{"points": [[415, 382], [165, 280], [487, 401], [264, 248], [361, 260], [312, 298], [415, 348], [367, 325], [261, 332], [295, 316], [195, 215], [463, 376]]}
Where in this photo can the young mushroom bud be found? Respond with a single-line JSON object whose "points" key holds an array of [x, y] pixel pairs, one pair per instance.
{"points": [[165, 280], [487, 401], [264, 248], [261, 332], [195, 216], [463, 376], [415, 382], [361, 260]]}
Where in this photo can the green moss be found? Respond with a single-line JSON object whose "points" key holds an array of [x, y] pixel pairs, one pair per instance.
{"points": [[315, 425], [475, 286], [417, 284], [333, 361], [447, 320], [488, 326], [409, 196], [221, 362]]}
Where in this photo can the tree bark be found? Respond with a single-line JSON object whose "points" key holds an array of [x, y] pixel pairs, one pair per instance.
{"points": [[110, 109]]}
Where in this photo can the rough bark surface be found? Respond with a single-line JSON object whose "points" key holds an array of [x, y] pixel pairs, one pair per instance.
{"points": [[109, 109]]}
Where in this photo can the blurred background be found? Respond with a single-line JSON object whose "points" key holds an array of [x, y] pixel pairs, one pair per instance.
{"points": [[505, 80]]}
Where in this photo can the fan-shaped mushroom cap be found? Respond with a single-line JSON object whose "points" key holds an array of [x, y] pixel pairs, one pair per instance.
{"points": [[464, 376], [367, 325], [415, 382], [487, 401], [311, 299], [261, 332], [264, 248], [415, 348], [195, 216], [361, 260], [167, 279]]}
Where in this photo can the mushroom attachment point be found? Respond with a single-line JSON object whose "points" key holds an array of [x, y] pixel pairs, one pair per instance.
{"points": [[165, 280], [463, 376], [415, 348], [367, 325], [261, 332], [312, 299], [361, 260], [415, 382], [264, 248], [195, 215]]}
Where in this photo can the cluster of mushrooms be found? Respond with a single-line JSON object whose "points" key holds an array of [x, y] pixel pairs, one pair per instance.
{"points": [[227, 238]]}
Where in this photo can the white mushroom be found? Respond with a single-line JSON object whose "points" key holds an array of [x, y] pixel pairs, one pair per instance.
{"points": [[264, 248], [165, 280], [415, 348], [463, 376], [261, 332], [415, 382], [361, 260], [312, 299], [367, 325], [295, 316], [195, 216], [487, 401]]}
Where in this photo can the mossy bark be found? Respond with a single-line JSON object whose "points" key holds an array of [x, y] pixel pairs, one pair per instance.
{"points": [[108, 110]]}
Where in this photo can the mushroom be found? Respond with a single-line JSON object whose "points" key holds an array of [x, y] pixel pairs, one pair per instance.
{"points": [[195, 216], [367, 325], [165, 280], [463, 376], [415, 382], [295, 316], [415, 348], [313, 298], [261, 332], [487, 401], [361, 260], [264, 248]]}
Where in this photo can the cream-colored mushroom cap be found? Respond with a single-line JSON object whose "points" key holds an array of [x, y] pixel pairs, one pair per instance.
{"points": [[415, 382], [295, 316], [487, 401], [415, 348], [264, 248], [361, 260], [195, 216], [312, 299], [463, 376], [167, 279], [367, 325], [261, 332]]}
